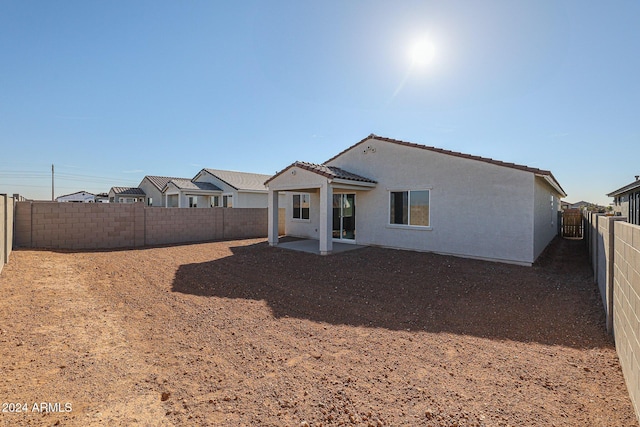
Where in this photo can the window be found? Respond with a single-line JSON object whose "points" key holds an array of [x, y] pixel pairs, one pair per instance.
{"points": [[227, 201], [300, 206], [150, 201], [409, 208], [193, 201], [215, 201]]}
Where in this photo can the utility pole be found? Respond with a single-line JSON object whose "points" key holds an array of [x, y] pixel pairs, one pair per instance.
{"points": [[53, 199]]}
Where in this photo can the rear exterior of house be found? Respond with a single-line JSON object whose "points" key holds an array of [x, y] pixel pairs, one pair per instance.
{"points": [[184, 193], [237, 189], [127, 195], [626, 201], [152, 186], [390, 193], [78, 197]]}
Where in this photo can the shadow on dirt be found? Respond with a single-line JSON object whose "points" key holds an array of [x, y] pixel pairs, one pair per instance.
{"points": [[554, 302]]}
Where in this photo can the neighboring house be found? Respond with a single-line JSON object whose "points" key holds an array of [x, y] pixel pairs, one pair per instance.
{"points": [[565, 205], [152, 186], [584, 205], [102, 198], [237, 189], [126, 195], [396, 194], [78, 197], [184, 193], [626, 201]]}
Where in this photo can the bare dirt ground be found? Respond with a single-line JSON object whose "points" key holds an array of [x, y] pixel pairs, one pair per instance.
{"points": [[240, 334]]}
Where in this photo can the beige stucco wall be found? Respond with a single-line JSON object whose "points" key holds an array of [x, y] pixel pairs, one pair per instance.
{"points": [[477, 209], [250, 200], [157, 198], [545, 215], [303, 182]]}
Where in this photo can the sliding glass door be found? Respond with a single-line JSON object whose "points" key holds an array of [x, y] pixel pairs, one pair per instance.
{"points": [[344, 216]]}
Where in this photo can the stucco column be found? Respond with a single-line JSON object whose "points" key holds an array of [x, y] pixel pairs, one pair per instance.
{"points": [[272, 204], [326, 218]]}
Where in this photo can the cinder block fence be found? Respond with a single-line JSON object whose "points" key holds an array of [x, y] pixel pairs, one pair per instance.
{"points": [[614, 249], [106, 225], [6, 228]]}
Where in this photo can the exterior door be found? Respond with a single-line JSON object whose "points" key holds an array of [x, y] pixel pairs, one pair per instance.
{"points": [[344, 217]]}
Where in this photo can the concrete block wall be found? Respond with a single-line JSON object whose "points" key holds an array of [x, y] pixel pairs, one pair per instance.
{"points": [[615, 257], [245, 223], [105, 226], [626, 305], [79, 225], [603, 263], [174, 225], [6, 228]]}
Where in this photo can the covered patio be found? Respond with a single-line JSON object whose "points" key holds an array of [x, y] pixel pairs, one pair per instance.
{"points": [[324, 181]]}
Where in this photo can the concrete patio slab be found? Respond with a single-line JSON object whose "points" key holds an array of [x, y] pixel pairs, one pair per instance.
{"points": [[313, 246]]}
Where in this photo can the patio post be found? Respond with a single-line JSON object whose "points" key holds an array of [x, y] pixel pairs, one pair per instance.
{"points": [[326, 218], [272, 221]]}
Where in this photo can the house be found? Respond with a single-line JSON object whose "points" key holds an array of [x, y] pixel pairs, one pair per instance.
{"points": [[184, 193], [152, 186], [102, 198], [396, 194], [126, 195], [228, 189], [77, 197], [626, 201]]}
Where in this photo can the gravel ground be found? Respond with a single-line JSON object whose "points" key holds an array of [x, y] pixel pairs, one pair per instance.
{"points": [[239, 334]]}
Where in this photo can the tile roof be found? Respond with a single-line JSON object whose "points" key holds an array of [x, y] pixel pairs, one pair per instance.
{"points": [[187, 184], [331, 172], [159, 181], [128, 191], [625, 189], [452, 153], [240, 180]]}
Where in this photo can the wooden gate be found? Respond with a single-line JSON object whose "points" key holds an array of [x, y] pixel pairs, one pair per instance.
{"points": [[572, 223]]}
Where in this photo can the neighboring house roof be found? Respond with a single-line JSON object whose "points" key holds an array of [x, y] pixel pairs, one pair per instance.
{"points": [[581, 204], [77, 192], [160, 181], [187, 184], [240, 180], [543, 173], [331, 172], [133, 191], [627, 188]]}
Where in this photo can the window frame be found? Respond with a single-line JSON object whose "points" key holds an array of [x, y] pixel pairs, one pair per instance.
{"points": [[301, 209], [225, 200], [409, 226]]}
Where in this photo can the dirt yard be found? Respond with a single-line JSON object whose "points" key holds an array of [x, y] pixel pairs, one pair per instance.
{"points": [[240, 334]]}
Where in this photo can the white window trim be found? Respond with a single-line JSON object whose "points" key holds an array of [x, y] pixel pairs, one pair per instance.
{"points": [[227, 195], [408, 226], [301, 219]]}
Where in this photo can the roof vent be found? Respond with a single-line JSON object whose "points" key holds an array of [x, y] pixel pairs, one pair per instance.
{"points": [[637, 176], [369, 149]]}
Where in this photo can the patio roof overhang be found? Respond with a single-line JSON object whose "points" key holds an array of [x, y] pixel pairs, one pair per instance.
{"points": [[310, 177], [336, 184], [313, 178]]}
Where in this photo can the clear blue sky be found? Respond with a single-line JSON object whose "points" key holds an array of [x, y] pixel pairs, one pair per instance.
{"points": [[110, 91]]}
